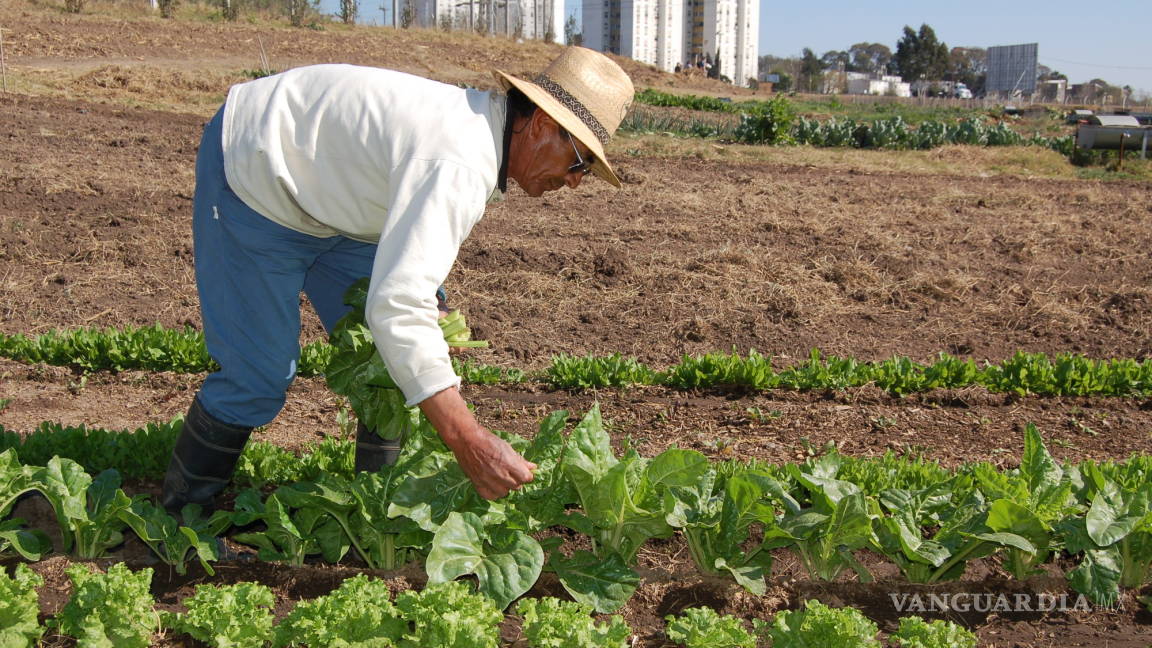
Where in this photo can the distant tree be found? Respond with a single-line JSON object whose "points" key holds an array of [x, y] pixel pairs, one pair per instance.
{"points": [[919, 55], [785, 82], [836, 60], [1045, 73], [871, 58], [571, 36], [968, 65], [811, 71]]}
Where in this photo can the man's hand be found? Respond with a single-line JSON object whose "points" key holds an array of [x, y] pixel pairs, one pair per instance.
{"points": [[492, 465]]}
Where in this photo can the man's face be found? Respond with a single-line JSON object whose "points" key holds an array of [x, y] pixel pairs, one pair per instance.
{"points": [[552, 159]]}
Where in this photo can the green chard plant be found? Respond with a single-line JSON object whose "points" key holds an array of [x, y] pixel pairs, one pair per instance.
{"points": [[88, 510], [716, 517], [173, 543], [1114, 535], [357, 372], [226, 616], [20, 608], [838, 523], [621, 507], [109, 610]]}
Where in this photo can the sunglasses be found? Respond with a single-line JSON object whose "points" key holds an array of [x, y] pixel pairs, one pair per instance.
{"points": [[582, 166]]}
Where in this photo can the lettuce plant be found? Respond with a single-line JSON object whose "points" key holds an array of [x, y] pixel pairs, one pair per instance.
{"points": [[358, 613], [447, 615], [552, 623], [704, 628], [820, 625], [915, 632], [109, 610], [20, 608], [226, 616]]}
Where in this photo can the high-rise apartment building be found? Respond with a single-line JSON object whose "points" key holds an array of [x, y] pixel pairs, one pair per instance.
{"points": [[670, 32], [535, 19]]}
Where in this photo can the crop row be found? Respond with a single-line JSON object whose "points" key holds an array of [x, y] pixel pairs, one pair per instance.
{"points": [[158, 349], [930, 523], [776, 122], [116, 608]]}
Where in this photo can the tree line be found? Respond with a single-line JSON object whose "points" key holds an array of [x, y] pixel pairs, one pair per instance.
{"points": [[919, 56]]}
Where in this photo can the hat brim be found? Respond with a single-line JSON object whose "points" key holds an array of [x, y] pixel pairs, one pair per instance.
{"points": [[567, 120]]}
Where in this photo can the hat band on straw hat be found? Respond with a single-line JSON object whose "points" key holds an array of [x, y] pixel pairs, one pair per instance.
{"points": [[572, 103]]}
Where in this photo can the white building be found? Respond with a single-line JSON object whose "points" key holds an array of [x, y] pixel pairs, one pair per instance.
{"points": [[666, 33], [886, 85], [533, 19]]}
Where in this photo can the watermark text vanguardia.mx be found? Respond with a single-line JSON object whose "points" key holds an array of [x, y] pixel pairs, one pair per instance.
{"points": [[989, 602]]}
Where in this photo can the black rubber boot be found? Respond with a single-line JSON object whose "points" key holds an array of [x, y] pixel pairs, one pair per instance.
{"points": [[374, 452], [202, 463]]}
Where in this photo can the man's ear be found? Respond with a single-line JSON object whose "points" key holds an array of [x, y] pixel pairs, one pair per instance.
{"points": [[541, 122]]}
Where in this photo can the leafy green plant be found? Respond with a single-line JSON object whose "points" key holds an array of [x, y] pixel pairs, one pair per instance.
{"points": [[226, 616], [621, 506], [716, 516], [567, 372], [552, 623], [447, 615], [112, 609], [915, 632], [173, 543], [1114, 536], [820, 625], [359, 612], [20, 608], [87, 510], [30, 544], [825, 534], [290, 535], [703, 628]]}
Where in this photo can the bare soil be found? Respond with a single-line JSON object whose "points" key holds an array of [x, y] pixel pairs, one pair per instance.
{"points": [[696, 254]]}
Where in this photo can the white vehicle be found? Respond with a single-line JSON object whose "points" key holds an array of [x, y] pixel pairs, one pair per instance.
{"points": [[962, 92]]}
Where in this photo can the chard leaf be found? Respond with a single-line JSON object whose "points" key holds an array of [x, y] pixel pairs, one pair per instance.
{"points": [[1036, 465], [1007, 540], [589, 452], [603, 582], [1008, 516], [506, 563], [31, 544], [750, 576], [1098, 576], [1110, 518], [437, 489]]}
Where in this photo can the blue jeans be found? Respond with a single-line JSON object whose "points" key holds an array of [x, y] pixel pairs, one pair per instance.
{"points": [[250, 272]]}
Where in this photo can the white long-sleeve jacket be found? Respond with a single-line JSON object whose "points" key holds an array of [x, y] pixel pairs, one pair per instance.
{"points": [[382, 157]]}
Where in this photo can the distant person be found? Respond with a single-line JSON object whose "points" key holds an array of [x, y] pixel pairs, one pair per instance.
{"points": [[313, 178]]}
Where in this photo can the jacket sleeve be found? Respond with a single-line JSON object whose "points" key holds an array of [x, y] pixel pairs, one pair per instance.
{"points": [[434, 205]]}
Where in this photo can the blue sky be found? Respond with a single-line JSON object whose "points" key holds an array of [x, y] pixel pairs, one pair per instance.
{"points": [[1084, 40]]}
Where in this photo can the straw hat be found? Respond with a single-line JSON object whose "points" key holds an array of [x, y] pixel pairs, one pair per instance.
{"points": [[586, 93]]}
